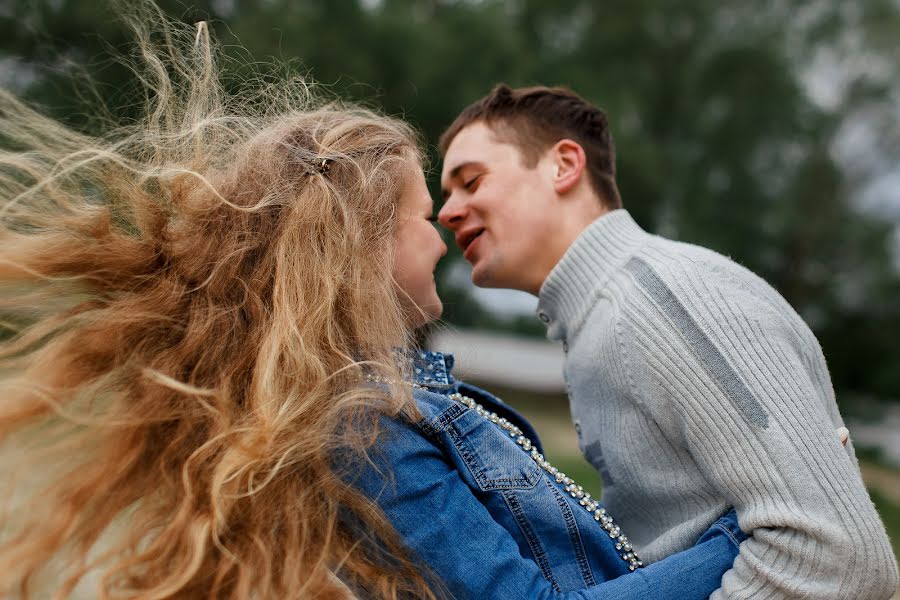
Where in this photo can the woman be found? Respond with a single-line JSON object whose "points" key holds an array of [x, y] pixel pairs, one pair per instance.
{"points": [[201, 318]]}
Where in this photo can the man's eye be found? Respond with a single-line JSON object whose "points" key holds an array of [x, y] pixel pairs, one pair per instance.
{"points": [[471, 182]]}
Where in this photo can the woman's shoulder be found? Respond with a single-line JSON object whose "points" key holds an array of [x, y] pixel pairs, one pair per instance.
{"points": [[434, 409], [433, 402]]}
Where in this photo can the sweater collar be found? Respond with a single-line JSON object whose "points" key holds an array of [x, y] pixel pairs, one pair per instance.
{"points": [[570, 288]]}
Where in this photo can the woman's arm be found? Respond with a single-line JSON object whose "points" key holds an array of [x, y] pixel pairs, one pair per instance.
{"points": [[450, 530]]}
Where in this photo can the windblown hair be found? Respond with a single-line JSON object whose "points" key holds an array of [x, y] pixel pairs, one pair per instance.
{"points": [[189, 305], [534, 118]]}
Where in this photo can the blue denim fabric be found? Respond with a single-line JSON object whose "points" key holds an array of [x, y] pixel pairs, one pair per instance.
{"points": [[476, 508]]}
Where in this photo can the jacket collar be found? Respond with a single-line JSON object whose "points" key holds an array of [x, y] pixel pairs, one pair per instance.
{"points": [[432, 368]]}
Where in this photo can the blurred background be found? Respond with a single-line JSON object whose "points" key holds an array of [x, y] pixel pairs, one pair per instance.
{"points": [[767, 130]]}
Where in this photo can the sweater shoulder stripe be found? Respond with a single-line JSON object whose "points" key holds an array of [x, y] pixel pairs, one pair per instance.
{"points": [[714, 363]]}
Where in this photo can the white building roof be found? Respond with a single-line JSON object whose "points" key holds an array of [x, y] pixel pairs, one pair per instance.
{"points": [[507, 360]]}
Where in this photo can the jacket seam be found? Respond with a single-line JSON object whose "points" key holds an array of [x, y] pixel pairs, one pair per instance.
{"points": [[574, 532], [531, 537], [729, 533]]}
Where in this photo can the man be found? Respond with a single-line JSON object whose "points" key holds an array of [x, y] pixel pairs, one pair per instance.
{"points": [[693, 384]]}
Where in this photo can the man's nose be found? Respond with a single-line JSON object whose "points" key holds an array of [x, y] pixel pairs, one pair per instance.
{"points": [[452, 214]]}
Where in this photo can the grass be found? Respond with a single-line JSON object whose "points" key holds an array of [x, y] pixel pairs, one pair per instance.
{"points": [[890, 514]]}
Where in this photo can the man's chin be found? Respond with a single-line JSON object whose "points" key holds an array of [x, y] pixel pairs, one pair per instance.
{"points": [[481, 277], [486, 275], [491, 278]]}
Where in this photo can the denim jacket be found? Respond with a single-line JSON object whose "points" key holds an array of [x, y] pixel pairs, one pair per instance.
{"points": [[491, 523]]}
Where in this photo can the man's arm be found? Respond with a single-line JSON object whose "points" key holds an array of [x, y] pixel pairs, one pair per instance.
{"points": [[751, 393]]}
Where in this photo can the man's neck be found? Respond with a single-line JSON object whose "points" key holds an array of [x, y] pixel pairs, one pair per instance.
{"points": [[568, 230]]}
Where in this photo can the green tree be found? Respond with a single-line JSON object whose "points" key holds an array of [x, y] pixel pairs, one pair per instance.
{"points": [[725, 136]]}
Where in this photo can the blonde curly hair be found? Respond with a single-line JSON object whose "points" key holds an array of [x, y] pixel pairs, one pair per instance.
{"points": [[189, 304]]}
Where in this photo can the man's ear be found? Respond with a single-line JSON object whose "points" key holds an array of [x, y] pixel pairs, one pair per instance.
{"points": [[568, 162]]}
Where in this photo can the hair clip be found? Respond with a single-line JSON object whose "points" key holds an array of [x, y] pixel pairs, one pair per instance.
{"points": [[325, 165]]}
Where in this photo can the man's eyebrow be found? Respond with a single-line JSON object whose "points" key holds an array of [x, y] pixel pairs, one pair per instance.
{"points": [[454, 173]]}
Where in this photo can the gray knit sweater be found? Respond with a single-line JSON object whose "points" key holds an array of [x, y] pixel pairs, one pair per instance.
{"points": [[695, 387]]}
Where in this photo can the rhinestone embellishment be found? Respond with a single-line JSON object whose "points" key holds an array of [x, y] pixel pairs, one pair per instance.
{"points": [[622, 544]]}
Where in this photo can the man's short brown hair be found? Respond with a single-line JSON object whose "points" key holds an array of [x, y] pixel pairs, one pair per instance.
{"points": [[535, 118]]}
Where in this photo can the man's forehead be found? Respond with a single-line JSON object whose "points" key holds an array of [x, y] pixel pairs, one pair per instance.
{"points": [[473, 136], [477, 143]]}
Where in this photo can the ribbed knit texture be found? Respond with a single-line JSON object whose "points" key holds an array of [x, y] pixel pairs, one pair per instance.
{"points": [[696, 387]]}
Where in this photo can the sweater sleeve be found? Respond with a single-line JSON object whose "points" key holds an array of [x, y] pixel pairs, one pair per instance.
{"points": [[741, 381]]}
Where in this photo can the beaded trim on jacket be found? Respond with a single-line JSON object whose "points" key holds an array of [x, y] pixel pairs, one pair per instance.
{"points": [[623, 545]]}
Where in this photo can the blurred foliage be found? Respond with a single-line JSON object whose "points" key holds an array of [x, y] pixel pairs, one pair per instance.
{"points": [[755, 128], [890, 514]]}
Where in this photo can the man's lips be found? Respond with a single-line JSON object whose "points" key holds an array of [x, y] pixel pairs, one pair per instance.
{"points": [[469, 252], [465, 238]]}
